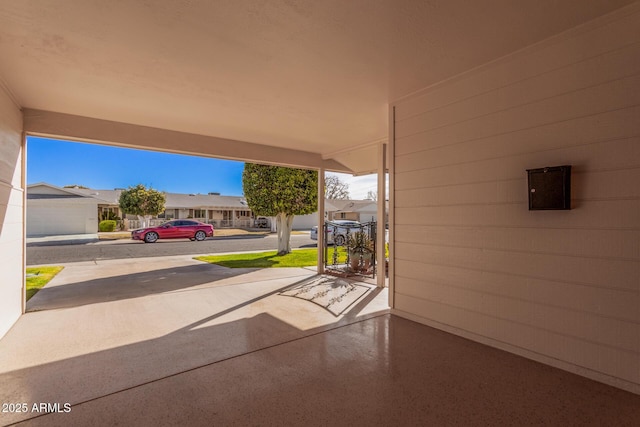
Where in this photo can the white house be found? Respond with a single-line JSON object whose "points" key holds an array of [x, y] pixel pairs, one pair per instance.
{"points": [[53, 210], [357, 210], [213, 208]]}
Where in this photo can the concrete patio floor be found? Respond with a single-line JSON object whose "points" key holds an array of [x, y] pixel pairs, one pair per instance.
{"points": [[174, 341]]}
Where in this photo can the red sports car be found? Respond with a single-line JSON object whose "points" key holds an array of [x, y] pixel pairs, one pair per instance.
{"points": [[176, 229]]}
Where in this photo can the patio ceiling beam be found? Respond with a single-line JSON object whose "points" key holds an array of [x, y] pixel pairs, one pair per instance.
{"points": [[85, 129]]}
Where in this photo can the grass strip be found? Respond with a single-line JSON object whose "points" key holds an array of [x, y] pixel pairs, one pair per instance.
{"points": [[37, 277], [271, 259]]}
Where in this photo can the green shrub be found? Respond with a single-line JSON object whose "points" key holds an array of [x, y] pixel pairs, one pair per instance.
{"points": [[108, 225]]}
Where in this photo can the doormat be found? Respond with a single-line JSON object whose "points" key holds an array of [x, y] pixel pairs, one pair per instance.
{"points": [[332, 293]]}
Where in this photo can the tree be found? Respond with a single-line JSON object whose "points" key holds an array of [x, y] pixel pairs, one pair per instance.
{"points": [[281, 193], [143, 202], [76, 186], [334, 188], [372, 195]]}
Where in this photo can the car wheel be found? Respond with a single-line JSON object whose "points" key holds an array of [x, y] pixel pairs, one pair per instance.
{"points": [[339, 240], [151, 237], [200, 235]]}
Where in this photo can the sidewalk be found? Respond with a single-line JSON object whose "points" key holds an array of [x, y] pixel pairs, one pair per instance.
{"points": [[74, 239], [220, 232], [67, 239]]}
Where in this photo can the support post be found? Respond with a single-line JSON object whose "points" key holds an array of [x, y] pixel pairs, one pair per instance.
{"points": [[382, 216], [321, 221], [391, 164]]}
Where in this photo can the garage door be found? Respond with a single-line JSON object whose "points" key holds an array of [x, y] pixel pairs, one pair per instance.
{"points": [[55, 218]]}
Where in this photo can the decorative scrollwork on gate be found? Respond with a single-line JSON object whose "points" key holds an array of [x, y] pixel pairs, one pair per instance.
{"points": [[350, 248]]}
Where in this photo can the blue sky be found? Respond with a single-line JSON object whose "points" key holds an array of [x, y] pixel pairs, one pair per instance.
{"points": [[104, 167]]}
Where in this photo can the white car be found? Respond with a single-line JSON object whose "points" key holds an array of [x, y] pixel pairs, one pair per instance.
{"points": [[340, 237]]}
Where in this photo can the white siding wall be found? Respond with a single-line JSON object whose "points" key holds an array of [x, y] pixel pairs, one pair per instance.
{"points": [[11, 214], [558, 286], [305, 222]]}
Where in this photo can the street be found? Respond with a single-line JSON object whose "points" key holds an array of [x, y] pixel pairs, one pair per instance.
{"points": [[122, 249]]}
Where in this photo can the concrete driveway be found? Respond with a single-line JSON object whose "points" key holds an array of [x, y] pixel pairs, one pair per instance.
{"points": [[102, 327]]}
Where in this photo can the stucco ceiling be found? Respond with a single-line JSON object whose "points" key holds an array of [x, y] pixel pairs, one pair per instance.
{"points": [[315, 75]]}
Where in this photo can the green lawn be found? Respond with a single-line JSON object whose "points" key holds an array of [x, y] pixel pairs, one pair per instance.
{"points": [[41, 276], [297, 258]]}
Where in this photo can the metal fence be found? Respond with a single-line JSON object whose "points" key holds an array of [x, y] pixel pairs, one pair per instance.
{"points": [[350, 249], [132, 224], [226, 223]]}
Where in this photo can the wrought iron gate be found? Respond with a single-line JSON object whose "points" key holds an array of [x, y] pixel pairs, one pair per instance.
{"points": [[350, 248]]}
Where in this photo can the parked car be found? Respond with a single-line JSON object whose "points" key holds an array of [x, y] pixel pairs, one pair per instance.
{"points": [[340, 237], [176, 229], [261, 222]]}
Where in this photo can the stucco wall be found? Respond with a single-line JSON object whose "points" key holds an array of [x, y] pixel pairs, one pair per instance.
{"points": [[562, 287], [11, 213]]}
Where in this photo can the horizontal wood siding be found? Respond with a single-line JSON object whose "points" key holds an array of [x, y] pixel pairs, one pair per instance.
{"points": [[469, 254]]}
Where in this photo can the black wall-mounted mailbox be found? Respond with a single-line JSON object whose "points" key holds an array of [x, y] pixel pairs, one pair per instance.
{"points": [[550, 188]]}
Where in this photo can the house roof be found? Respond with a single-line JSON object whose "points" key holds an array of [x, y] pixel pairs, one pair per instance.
{"points": [[184, 201], [178, 200], [109, 197], [205, 201], [43, 190], [347, 205]]}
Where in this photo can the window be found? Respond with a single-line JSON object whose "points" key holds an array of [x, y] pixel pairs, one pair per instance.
{"points": [[199, 213], [168, 214]]}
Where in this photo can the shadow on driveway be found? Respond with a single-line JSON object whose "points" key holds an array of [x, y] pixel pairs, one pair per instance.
{"points": [[126, 286], [93, 373]]}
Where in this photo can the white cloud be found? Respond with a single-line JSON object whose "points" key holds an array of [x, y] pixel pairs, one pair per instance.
{"points": [[359, 186]]}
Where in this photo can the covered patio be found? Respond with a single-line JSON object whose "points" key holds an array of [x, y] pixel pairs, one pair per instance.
{"points": [[177, 341], [456, 99]]}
